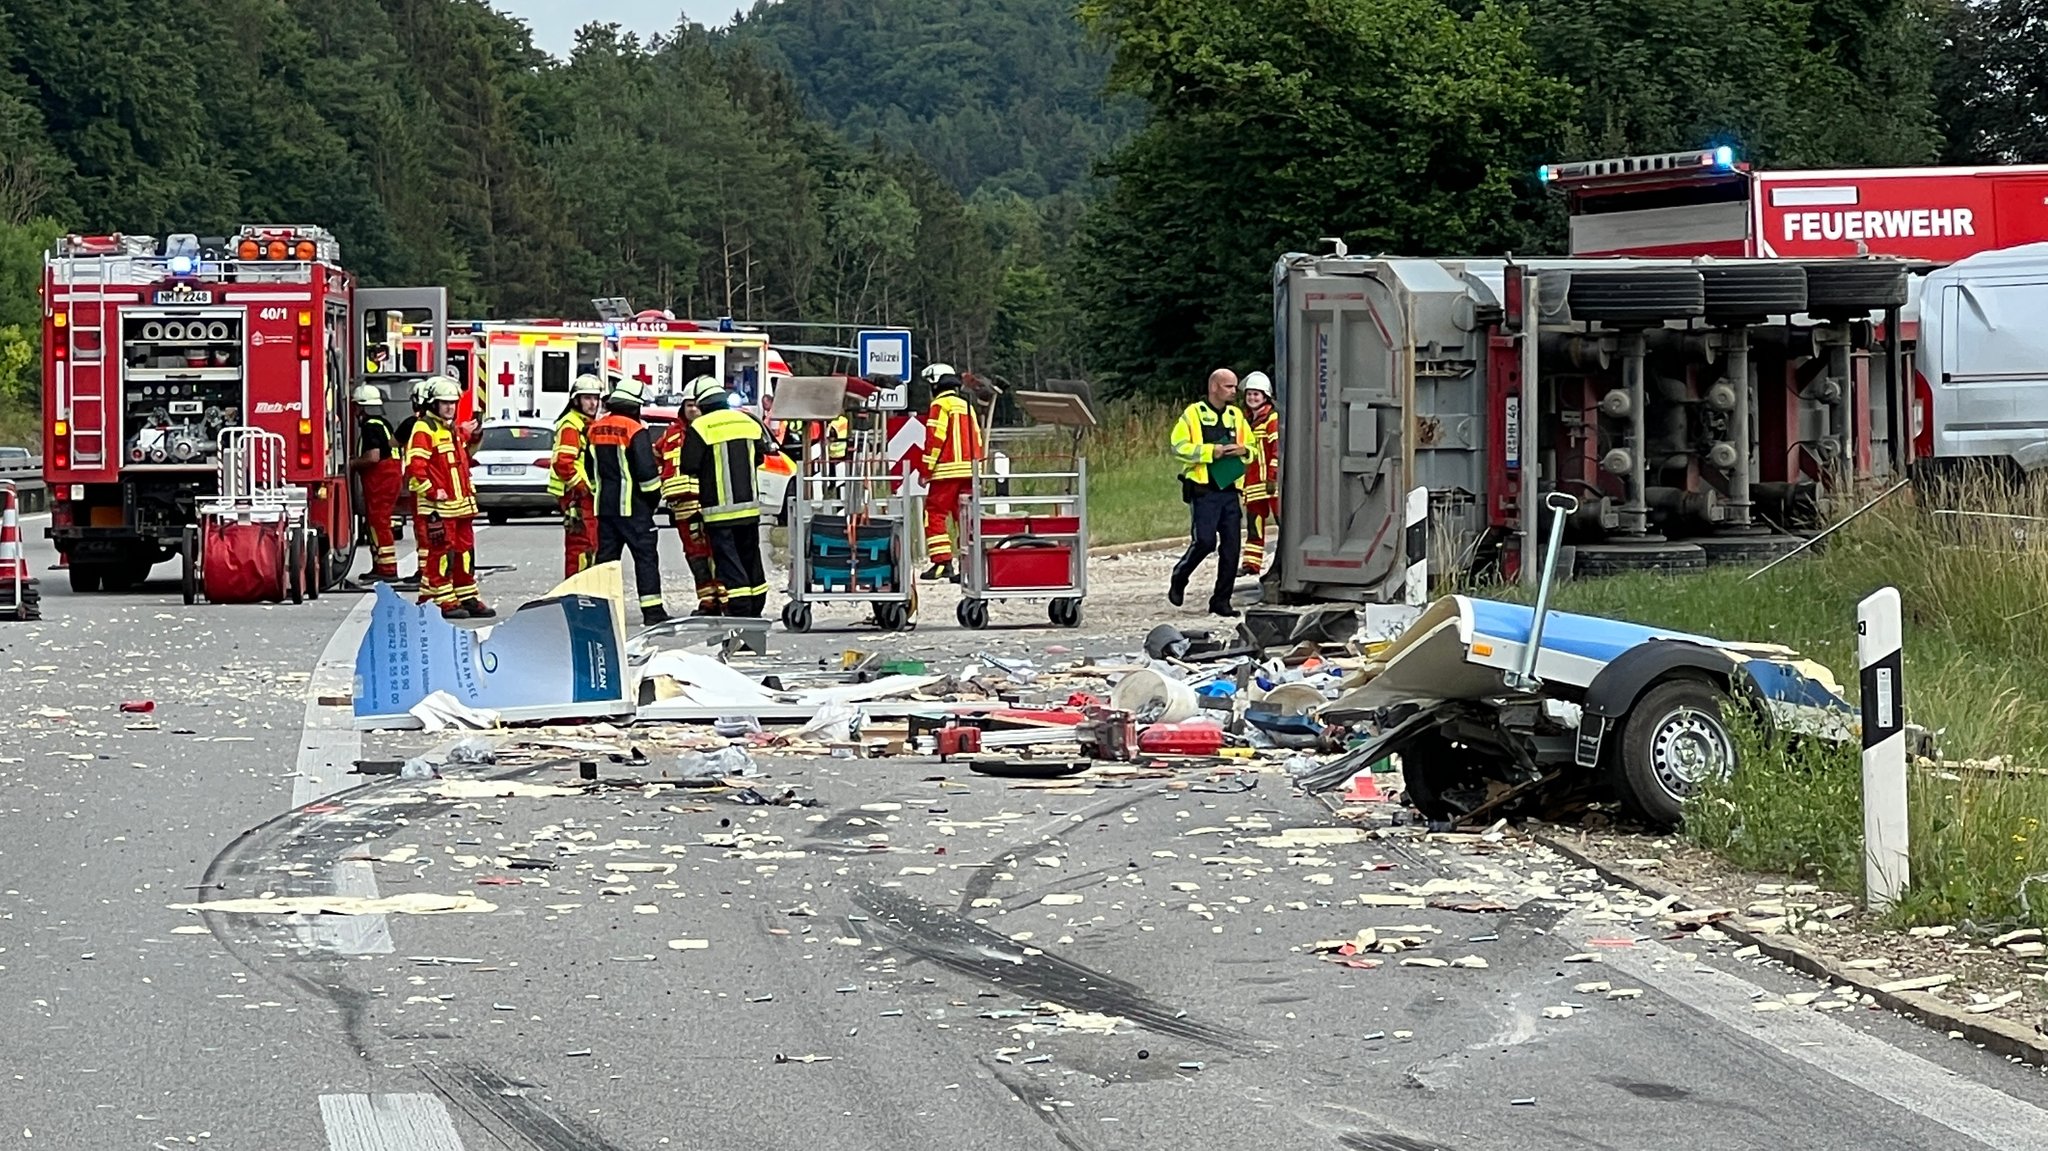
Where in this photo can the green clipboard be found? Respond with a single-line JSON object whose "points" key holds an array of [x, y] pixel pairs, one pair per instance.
{"points": [[1226, 471]]}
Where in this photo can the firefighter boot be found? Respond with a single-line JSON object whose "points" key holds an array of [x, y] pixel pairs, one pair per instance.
{"points": [[653, 614], [478, 609], [942, 570], [454, 611]]}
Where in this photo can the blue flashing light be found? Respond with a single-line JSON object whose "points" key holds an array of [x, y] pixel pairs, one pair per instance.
{"points": [[1543, 174], [1724, 157], [181, 265]]}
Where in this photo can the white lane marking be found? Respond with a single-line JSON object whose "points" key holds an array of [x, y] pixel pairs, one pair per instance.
{"points": [[388, 1123], [348, 934], [328, 742], [1961, 1104]]}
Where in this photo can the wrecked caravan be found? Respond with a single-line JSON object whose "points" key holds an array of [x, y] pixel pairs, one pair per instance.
{"points": [[1639, 706], [1701, 411]]}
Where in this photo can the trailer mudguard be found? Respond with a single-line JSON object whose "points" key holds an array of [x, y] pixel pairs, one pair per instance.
{"points": [[1618, 685]]}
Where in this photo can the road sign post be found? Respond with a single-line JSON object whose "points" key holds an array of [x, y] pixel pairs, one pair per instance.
{"points": [[885, 355]]}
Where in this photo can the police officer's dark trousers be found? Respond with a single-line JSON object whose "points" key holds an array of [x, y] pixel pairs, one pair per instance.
{"points": [[1218, 524], [635, 533]]}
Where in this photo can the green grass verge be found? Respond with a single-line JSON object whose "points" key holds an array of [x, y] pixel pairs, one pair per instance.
{"points": [[1133, 484], [1975, 591]]}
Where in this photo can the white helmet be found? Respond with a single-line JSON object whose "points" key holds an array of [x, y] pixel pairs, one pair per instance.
{"points": [[624, 391], [367, 395], [423, 391], [444, 390], [586, 385], [1257, 382], [701, 389], [934, 372]]}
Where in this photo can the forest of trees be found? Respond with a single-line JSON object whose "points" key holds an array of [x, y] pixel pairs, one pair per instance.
{"points": [[1037, 188]]}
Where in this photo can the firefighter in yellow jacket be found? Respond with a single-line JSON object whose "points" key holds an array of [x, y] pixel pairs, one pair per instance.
{"points": [[437, 472], [721, 452], [952, 445], [569, 476], [1211, 440], [679, 492], [1261, 470]]}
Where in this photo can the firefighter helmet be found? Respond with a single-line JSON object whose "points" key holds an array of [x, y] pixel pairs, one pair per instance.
{"points": [[443, 390], [367, 395], [586, 385], [624, 392], [423, 391], [696, 390], [933, 373], [1258, 382]]}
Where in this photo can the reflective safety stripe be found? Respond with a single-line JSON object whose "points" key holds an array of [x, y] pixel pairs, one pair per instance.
{"points": [[1200, 430], [566, 472]]}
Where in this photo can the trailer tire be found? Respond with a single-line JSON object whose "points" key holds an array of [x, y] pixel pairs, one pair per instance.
{"points": [[188, 564], [1749, 293], [1747, 551], [1673, 740], [1440, 779], [1848, 289], [86, 577], [1637, 297], [1591, 561]]}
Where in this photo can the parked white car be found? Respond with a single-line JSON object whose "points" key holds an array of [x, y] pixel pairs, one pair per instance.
{"points": [[510, 468]]}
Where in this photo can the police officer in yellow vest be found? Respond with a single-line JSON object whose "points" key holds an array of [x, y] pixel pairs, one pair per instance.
{"points": [[1211, 440]]}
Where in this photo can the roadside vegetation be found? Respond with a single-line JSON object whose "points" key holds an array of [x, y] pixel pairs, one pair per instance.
{"points": [[1975, 590]]}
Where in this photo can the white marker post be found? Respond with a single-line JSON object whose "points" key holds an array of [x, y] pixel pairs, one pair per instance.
{"points": [[1415, 547], [1879, 654]]}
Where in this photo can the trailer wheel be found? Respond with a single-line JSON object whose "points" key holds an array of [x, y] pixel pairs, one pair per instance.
{"points": [[85, 577], [1673, 741], [1639, 296], [1440, 779], [315, 568], [1749, 293], [1848, 289], [1747, 551], [1595, 560]]}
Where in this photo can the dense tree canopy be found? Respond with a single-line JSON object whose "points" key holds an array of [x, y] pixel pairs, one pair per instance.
{"points": [[1038, 190]]}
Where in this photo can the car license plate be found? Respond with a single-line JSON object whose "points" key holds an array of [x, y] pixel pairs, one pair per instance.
{"points": [[506, 470]]}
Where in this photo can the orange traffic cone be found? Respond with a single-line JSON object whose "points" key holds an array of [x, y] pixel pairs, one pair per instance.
{"points": [[19, 596], [1364, 789]]}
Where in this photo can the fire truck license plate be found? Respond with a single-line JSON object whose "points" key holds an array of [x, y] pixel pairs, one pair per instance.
{"points": [[506, 470]]}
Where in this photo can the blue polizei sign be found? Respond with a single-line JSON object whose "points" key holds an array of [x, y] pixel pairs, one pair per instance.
{"points": [[560, 657], [884, 355]]}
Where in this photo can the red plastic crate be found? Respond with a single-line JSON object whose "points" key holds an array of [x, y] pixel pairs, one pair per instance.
{"points": [[996, 527], [1015, 569], [1055, 525]]}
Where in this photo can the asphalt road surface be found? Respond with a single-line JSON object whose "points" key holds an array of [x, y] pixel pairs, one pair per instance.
{"points": [[924, 958]]}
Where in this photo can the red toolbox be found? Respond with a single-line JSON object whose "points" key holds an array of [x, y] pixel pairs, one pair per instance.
{"points": [[1046, 565]]}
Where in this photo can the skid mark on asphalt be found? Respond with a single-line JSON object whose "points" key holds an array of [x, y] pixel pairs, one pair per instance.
{"points": [[967, 948], [1969, 1108], [348, 934], [388, 1123], [486, 1096]]}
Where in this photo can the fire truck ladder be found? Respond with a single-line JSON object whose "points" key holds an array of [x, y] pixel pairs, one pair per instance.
{"points": [[85, 407]]}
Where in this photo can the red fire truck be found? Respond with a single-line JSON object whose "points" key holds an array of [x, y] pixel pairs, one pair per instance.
{"points": [[152, 347], [1708, 203]]}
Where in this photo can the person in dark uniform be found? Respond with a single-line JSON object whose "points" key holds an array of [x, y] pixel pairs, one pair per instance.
{"points": [[626, 481], [722, 452], [378, 464], [1211, 440]]}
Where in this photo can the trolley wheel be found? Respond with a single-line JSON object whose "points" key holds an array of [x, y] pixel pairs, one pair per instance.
{"points": [[1065, 612], [972, 613], [188, 562], [891, 616], [796, 616], [295, 566]]}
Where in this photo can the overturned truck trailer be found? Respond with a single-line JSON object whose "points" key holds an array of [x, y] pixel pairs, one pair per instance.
{"points": [[1701, 410]]}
